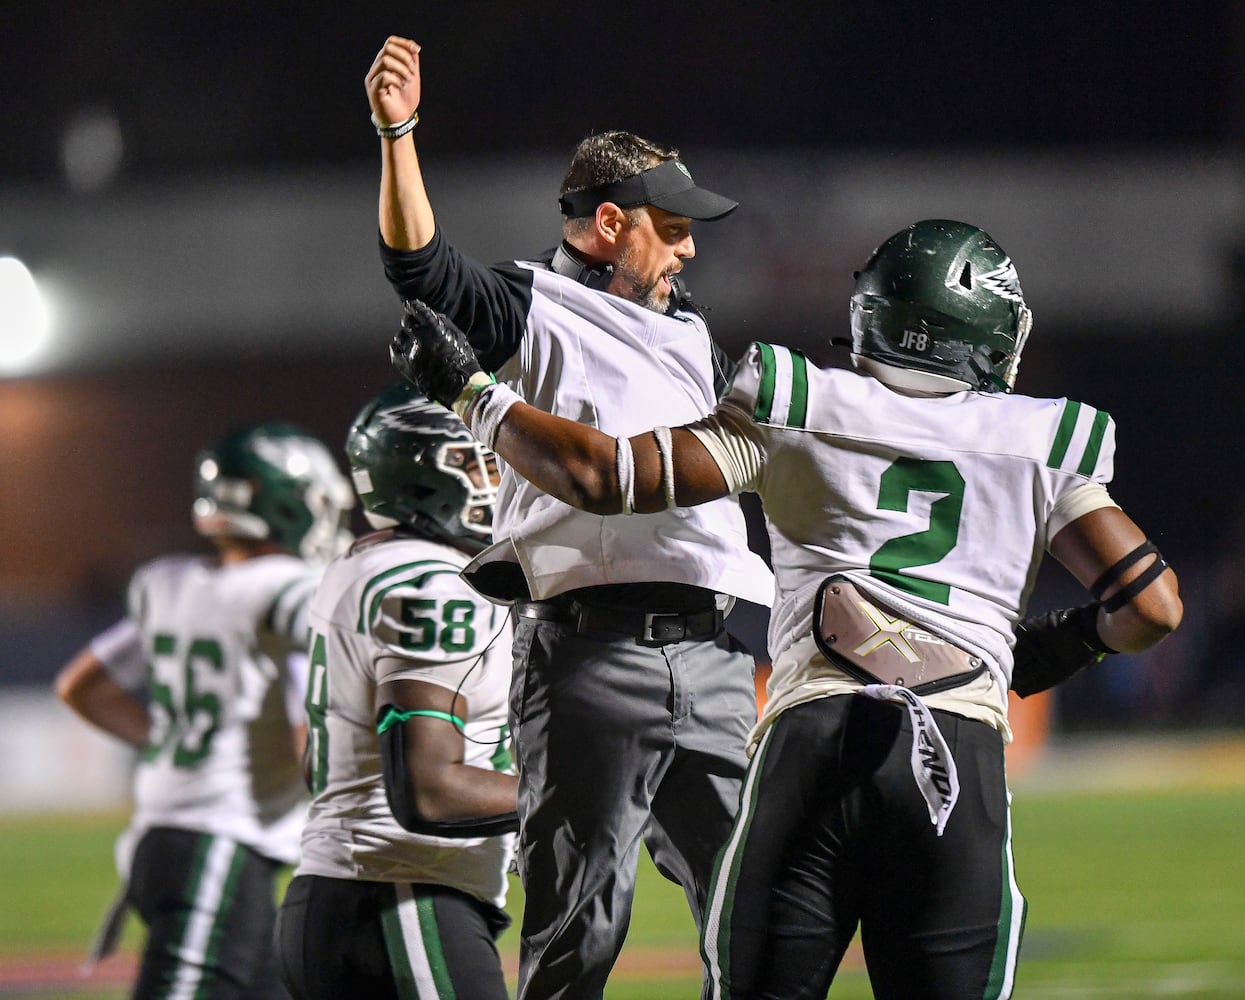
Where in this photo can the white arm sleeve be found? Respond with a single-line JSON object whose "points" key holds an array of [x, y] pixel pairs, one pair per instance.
{"points": [[625, 458], [728, 440], [297, 673], [665, 451], [1077, 503], [120, 649]]}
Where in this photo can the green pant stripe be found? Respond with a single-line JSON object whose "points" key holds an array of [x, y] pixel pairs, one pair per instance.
{"points": [[1063, 436], [1013, 909], [413, 942], [765, 391], [1096, 434], [191, 892], [210, 872], [224, 908], [430, 934], [715, 942]]}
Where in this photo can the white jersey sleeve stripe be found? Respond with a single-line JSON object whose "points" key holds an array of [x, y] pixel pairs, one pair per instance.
{"points": [[782, 397], [1079, 436]]}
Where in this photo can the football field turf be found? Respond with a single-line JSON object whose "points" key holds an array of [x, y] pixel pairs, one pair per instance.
{"points": [[1136, 890]]}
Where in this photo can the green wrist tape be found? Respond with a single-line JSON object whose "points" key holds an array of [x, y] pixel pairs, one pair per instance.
{"points": [[475, 385]]}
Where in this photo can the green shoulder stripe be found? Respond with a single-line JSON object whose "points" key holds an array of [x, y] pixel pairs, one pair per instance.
{"points": [[1094, 445], [782, 396], [1063, 436], [409, 574], [1074, 415], [765, 391]]}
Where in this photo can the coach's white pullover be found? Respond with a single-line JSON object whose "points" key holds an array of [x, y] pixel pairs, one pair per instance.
{"points": [[584, 354], [604, 361]]}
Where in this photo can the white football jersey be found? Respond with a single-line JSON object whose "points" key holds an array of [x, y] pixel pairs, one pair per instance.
{"points": [[938, 506], [214, 641], [394, 607]]}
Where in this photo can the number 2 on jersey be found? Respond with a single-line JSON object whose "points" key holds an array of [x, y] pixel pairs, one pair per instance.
{"points": [[920, 548]]}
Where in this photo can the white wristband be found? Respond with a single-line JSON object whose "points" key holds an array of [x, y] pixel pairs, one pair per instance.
{"points": [[665, 450], [487, 410], [395, 131], [626, 475]]}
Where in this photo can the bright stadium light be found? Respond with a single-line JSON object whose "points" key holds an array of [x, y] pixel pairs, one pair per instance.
{"points": [[24, 319]]}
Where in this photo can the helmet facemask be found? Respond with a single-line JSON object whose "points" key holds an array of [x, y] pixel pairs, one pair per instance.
{"points": [[416, 465], [476, 467]]}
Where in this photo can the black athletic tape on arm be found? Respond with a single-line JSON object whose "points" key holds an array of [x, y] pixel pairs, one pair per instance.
{"points": [[1052, 647], [1139, 583], [1134, 587], [391, 732]]}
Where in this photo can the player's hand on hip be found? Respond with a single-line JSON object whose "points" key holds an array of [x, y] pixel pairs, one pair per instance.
{"points": [[433, 354], [393, 83]]}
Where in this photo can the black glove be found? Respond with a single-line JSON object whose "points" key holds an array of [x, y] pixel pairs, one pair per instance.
{"points": [[1052, 647], [431, 353]]}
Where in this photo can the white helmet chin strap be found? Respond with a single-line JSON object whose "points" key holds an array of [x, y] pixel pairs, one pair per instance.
{"points": [[909, 380]]}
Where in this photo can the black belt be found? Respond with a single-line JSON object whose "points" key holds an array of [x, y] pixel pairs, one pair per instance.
{"points": [[646, 627]]}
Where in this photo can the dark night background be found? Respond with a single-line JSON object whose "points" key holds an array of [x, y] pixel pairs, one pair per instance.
{"points": [[229, 84], [95, 457]]}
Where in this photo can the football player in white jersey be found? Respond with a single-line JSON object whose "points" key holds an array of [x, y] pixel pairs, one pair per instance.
{"points": [[402, 878], [909, 504], [214, 647]]}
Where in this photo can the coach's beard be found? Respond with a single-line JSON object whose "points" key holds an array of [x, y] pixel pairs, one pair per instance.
{"points": [[634, 287]]}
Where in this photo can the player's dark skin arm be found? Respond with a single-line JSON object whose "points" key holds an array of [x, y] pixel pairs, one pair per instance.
{"points": [[441, 785], [86, 687], [1094, 543], [578, 464]]}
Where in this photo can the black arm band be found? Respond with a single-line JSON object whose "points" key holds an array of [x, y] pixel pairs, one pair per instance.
{"points": [[1133, 587], [399, 793]]}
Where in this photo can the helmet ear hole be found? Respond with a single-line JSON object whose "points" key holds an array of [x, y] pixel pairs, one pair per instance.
{"points": [[966, 275]]}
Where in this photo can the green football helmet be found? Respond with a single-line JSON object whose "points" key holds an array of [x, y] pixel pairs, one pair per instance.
{"points": [[415, 464], [938, 307], [273, 481]]}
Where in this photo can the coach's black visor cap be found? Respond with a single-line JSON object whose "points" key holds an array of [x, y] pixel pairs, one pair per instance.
{"points": [[668, 185]]}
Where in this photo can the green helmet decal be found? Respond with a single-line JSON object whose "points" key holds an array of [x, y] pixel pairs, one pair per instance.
{"points": [[942, 298], [414, 463], [273, 481]]}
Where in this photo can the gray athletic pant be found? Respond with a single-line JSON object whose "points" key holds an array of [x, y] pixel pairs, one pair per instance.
{"points": [[617, 743]]}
